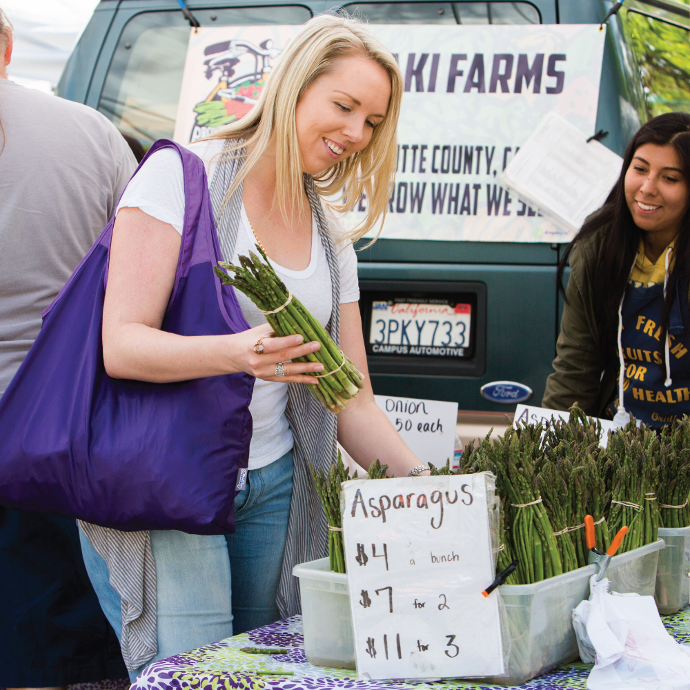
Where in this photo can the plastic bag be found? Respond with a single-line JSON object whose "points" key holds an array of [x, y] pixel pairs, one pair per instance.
{"points": [[624, 635], [580, 618]]}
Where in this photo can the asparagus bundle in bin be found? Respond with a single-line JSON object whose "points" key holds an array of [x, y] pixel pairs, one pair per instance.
{"points": [[328, 488], [632, 459], [340, 380], [674, 475]]}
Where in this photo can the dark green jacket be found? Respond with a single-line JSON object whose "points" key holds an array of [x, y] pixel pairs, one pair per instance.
{"points": [[579, 367]]}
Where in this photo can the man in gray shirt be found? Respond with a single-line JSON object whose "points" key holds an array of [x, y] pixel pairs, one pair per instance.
{"points": [[63, 167]]}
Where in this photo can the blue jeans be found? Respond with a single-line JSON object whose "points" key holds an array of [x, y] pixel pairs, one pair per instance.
{"points": [[195, 602]]}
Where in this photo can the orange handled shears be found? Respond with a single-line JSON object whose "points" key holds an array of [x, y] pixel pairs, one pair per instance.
{"points": [[601, 558]]}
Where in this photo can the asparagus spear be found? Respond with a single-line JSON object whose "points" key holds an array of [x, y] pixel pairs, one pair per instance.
{"points": [[340, 380]]}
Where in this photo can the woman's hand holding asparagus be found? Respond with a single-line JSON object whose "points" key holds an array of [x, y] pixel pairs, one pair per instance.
{"points": [[261, 353]]}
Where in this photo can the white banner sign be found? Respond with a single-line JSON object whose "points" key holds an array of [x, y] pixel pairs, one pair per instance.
{"points": [[418, 555], [473, 94], [426, 426]]}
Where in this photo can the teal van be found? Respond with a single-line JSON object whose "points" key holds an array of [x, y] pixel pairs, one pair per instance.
{"points": [[129, 65]]}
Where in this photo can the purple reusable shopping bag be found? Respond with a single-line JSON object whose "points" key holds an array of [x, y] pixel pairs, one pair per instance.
{"points": [[128, 454]]}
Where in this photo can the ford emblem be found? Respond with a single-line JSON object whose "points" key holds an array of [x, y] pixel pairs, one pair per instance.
{"points": [[506, 392]]}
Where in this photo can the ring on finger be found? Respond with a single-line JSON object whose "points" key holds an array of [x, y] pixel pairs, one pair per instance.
{"points": [[259, 347], [280, 369]]}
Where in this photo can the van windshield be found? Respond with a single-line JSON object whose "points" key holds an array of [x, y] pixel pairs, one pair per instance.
{"points": [[145, 77], [143, 84], [446, 12]]}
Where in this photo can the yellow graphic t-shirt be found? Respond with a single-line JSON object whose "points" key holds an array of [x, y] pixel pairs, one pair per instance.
{"points": [[645, 273]]}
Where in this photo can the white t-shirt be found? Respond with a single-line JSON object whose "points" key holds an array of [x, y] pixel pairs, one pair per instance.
{"points": [[158, 190]]}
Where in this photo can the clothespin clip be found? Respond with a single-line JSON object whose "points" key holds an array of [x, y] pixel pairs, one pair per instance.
{"points": [[614, 10], [598, 136], [501, 578], [188, 15]]}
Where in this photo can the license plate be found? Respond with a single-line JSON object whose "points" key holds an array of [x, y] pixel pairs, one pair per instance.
{"points": [[415, 328]]}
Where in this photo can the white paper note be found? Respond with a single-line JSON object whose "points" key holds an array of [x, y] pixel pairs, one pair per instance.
{"points": [[426, 426], [418, 554], [562, 174], [528, 414]]}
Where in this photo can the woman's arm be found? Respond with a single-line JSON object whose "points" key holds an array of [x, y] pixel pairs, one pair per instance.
{"points": [[363, 428], [143, 261], [578, 365]]}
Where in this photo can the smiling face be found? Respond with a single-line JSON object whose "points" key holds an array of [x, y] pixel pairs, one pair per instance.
{"points": [[339, 110], [656, 190]]}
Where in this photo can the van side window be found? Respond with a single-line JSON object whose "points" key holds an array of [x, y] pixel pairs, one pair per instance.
{"points": [[496, 13], [447, 12], [143, 85], [661, 51]]}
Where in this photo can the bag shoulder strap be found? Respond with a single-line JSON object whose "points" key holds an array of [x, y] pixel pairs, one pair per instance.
{"points": [[195, 184], [227, 212]]}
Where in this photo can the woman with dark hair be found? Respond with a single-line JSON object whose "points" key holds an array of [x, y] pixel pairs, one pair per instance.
{"points": [[626, 311]]}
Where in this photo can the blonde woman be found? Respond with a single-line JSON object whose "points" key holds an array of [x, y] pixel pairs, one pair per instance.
{"points": [[325, 122]]}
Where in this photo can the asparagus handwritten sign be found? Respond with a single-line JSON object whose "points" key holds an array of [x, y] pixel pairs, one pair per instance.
{"points": [[426, 426], [418, 554], [528, 414]]}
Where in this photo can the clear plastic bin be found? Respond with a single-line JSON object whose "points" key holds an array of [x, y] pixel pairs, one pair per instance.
{"points": [[634, 572], [539, 615], [326, 617], [673, 575]]}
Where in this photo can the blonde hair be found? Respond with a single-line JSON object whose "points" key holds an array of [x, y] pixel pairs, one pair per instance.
{"points": [[311, 54]]}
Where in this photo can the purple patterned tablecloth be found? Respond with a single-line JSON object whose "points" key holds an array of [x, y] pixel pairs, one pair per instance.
{"points": [[222, 666]]}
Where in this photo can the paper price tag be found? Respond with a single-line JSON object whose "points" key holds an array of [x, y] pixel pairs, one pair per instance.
{"points": [[426, 426], [528, 414], [418, 555]]}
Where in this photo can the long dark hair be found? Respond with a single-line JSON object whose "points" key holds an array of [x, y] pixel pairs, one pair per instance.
{"points": [[622, 237]]}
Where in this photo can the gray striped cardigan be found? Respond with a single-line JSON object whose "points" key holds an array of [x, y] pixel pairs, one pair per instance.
{"points": [[131, 567]]}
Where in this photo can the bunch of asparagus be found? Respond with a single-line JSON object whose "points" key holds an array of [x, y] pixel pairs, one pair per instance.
{"points": [[572, 484], [340, 380], [505, 549], [556, 496], [534, 543], [527, 532], [483, 456], [632, 461], [674, 475], [328, 488], [550, 477]]}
